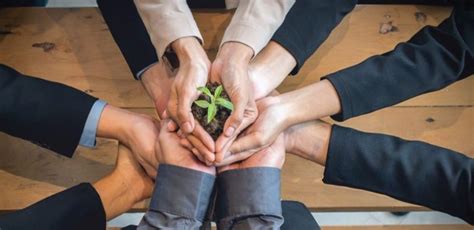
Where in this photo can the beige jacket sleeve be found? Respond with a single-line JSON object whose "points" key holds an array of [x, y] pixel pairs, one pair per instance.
{"points": [[255, 22], [167, 21]]}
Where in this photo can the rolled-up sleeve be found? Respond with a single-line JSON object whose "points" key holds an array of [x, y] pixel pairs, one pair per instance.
{"points": [[180, 199], [249, 199], [167, 21], [255, 22]]}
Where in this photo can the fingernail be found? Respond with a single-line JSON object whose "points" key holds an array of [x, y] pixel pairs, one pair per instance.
{"points": [[230, 131], [170, 126], [187, 127]]}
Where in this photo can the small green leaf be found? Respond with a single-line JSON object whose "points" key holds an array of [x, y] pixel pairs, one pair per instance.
{"points": [[202, 103], [218, 91], [211, 112], [225, 103], [205, 90]]}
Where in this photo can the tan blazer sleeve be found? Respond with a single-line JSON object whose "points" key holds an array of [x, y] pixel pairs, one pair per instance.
{"points": [[167, 21], [255, 21]]}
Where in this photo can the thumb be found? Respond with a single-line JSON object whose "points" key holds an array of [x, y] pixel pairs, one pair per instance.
{"points": [[251, 142]]}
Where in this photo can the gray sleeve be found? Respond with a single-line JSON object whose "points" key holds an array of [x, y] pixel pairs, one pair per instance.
{"points": [[249, 199], [180, 199]]}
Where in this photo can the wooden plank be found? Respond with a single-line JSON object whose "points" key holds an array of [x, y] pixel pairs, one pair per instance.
{"points": [[86, 57], [403, 227], [29, 173]]}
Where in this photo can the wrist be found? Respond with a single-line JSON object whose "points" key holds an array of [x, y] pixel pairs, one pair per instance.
{"points": [[235, 53], [115, 123], [190, 50], [321, 95], [309, 140]]}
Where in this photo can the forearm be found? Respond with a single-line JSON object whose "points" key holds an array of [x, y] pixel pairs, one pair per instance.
{"points": [[167, 21], [307, 25], [49, 107], [180, 198], [115, 194], [321, 95], [433, 58], [247, 196], [129, 33], [78, 207], [269, 68], [254, 22], [410, 171]]}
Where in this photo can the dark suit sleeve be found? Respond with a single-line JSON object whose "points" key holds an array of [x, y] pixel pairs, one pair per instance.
{"points": [[410, 171], [308, 24], [49, 114], [432, 59], [129, 33], [78, 208]]}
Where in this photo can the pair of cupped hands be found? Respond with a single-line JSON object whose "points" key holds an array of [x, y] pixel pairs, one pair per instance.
{"points": [[250, 137]]}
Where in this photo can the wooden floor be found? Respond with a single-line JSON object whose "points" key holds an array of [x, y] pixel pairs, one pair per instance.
{"points": [[85, 56]]}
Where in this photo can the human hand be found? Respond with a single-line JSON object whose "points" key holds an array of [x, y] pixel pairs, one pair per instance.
{"points": [[271, 156], [136, 131], [157, 81], [192, 73], [173, 153], [271, 122], [125, 186], [230, 68], [309, 140]]}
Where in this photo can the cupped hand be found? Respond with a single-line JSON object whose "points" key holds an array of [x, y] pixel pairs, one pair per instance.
{"points": [[173, 153], [271, 122], [192, 73], [231, 70]]}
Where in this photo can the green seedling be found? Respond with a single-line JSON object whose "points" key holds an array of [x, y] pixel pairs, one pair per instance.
{"points": [[216, 100]]}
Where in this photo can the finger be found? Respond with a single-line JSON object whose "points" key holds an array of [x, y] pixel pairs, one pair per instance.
{"points": [[185, 143], [204, 138], [202, 149], [252, 141], [198, 155], [235, 119], [185, 117], [224, 152], [235, 158], [171, 125]]}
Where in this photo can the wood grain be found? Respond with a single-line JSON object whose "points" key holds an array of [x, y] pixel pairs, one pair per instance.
{"points": [[86, 57]]}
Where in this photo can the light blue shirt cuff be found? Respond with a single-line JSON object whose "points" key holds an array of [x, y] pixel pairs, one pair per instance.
{"points": [[90, 128], [139, 74]]}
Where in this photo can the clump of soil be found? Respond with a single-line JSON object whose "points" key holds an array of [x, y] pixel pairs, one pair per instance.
{"points": [[216, 126]]}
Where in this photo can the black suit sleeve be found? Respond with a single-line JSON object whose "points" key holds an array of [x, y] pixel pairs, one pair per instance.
{"points": [[49, 114], [410, 171], [308, 24], [432, 59], [78, 208], [129, 33]]}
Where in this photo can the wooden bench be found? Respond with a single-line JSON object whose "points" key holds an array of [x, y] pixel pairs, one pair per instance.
{"points": [[86, 57]]}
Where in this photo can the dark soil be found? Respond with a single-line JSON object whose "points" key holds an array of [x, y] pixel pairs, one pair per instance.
{"points": [[216, 126]]}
